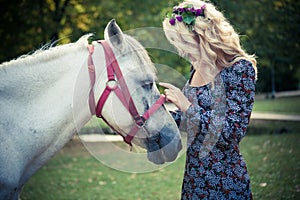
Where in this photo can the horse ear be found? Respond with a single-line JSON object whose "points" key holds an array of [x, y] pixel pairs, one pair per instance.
{"points": [[114, 33]]}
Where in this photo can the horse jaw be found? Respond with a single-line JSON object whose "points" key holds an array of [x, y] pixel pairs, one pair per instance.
{"points": [[165, 146]]}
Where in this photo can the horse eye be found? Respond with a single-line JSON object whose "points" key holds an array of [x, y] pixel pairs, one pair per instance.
{"points": [[148, 85]]}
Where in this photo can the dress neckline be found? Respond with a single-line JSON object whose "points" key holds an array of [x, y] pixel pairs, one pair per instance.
{"points": [[198, 87], [191, 76]]}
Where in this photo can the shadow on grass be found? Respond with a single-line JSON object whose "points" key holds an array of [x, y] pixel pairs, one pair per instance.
{"points": [[262, 127]]}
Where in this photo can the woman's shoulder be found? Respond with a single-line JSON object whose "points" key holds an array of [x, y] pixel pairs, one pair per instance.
{"points": [[240, 67]]}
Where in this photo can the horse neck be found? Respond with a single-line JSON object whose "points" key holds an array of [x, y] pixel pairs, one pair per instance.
{"points": [[46, 85]]}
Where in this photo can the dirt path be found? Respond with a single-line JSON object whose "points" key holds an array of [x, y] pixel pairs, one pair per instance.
{"points": [[274, 116]]}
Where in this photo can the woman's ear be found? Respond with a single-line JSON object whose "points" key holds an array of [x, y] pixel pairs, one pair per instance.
{"points": [[114, 34]]}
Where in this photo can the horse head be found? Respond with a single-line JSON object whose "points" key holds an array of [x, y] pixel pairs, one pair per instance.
{"points": [[158, 133]]}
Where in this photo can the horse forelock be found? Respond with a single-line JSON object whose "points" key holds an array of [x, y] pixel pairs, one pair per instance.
{"points": [[48, 52], [133, 46]]}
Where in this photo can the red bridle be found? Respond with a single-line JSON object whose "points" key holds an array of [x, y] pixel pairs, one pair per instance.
{"points": [[116, 83]]}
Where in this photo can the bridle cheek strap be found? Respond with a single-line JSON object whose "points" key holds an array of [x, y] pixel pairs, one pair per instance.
{"points": [[92, 74], [120, 88]]}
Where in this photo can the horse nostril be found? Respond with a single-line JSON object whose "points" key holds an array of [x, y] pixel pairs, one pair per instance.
{"points": [[157, 140], [146, 104]]}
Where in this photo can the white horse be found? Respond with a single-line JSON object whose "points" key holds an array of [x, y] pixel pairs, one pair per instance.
{"points": [[37, 103]]}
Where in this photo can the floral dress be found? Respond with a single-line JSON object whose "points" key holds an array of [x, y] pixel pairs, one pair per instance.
{"points": [[215, 123]]}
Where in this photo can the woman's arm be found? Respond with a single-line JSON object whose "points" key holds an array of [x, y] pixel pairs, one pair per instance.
{"points": [[190, 110], [240, 89], [175, 95]]}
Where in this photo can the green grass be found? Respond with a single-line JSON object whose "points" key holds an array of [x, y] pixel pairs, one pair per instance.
{"points": [[73, 173], [271, 150], [274, 165], [287, 105]]}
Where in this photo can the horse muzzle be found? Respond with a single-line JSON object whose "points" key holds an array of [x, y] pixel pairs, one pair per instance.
{"points": [[164, 146]]}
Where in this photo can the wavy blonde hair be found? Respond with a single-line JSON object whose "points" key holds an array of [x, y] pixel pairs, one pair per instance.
{"points": [[213, 43]]}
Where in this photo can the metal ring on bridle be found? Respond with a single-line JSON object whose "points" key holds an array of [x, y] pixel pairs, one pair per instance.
{"points": [[112, 84], [140, 121]]}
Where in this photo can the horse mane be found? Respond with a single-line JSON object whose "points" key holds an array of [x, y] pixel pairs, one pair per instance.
{"points": [[48, 52], [135, 46]]}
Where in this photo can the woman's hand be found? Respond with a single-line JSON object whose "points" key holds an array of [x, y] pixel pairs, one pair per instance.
{"points": [[174, 95]]}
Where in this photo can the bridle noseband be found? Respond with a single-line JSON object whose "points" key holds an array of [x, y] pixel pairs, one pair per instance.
{"points": [[116, 83]]}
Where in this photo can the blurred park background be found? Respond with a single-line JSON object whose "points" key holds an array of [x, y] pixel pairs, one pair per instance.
{"points": [[268, 28]]}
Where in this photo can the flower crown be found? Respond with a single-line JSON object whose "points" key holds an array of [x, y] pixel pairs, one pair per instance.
{"points": [[186, 14]]}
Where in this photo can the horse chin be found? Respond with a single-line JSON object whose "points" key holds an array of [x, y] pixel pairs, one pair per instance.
{"points": [[156, 157], [159, 154]]}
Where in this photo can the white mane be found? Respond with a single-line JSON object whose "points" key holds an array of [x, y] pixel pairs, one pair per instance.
{"points": [[47, 52], [134, 46]]}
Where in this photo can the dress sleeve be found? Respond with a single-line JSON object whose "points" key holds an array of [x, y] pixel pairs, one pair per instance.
{"points": [[197, 114], [176, 114], [240, 89]]}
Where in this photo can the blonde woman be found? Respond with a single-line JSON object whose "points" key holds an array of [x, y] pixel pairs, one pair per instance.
{"points": [[215, 105]]}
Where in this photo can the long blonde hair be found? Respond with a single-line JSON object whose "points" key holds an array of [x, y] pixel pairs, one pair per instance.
{"points": [[213, 43]]}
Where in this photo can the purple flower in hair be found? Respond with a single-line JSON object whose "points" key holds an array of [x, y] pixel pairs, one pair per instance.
{"points": [[199, 12], [172, 21], [179, 18], [186, 14], [180, 10], [191, 9]]}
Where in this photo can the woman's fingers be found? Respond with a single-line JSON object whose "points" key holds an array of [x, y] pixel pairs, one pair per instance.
{"points": [[170, 95], [175, 95], [167, 85], [167, 94]]}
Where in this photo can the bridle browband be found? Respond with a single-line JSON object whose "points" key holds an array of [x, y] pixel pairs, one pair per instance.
{"points": [[116, 83]]}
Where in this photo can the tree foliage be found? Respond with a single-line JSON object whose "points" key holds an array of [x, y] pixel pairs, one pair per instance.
{"points": [[269, 29]]}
